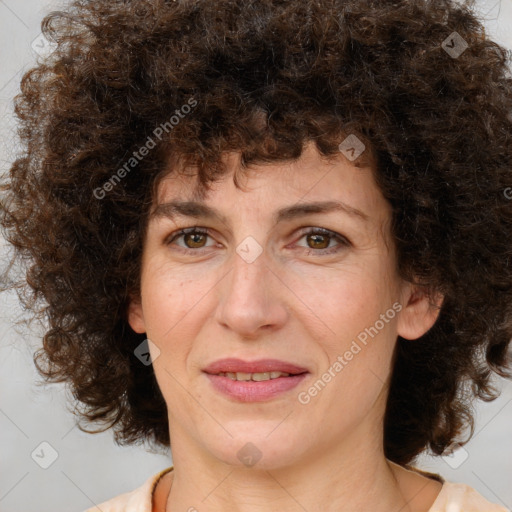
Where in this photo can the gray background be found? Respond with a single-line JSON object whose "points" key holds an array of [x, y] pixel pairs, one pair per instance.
{"points": [[92, 468]]}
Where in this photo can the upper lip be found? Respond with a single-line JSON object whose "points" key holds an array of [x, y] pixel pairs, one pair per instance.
{"points": [[234, 365]]}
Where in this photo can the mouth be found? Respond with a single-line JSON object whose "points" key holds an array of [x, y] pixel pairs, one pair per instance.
{"points": [[255, 377], [263, 369], [255, 381]]}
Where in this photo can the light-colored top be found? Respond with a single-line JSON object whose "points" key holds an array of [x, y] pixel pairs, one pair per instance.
{"points": [[453, 497]]}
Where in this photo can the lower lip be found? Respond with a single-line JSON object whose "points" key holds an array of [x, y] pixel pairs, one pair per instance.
{"points": [[251, 391]]}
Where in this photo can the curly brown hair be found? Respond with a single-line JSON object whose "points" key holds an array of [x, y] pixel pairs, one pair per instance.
{"points": [[264, 77]]}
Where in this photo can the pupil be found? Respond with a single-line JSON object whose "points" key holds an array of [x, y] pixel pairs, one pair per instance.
{"points": [[194, 236], [316, 237]]}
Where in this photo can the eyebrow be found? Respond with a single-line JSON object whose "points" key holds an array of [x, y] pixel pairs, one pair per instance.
{"points": [[195, 209]]}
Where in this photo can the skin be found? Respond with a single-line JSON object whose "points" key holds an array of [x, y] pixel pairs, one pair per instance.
{"points": [[292, 303]]}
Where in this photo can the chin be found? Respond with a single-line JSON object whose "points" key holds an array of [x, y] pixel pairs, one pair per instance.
{"points": [[264, 448]]}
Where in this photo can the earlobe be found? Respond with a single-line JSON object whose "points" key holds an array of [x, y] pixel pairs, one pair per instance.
{"points": [[419, 313], [136, 316]]}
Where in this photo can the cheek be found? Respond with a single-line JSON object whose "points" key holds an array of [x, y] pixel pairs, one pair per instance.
{"points": [[357, 334], [343, 302], [171, 300], [357, 354]]}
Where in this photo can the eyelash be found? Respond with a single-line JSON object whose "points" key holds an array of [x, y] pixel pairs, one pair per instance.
{"points": [[344, 242]]}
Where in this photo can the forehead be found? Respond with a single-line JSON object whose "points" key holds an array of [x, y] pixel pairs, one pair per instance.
{"points": [[312, 183], [310, 175]]}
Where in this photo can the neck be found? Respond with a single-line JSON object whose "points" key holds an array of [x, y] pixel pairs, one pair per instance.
{"points": [[345, 480]]}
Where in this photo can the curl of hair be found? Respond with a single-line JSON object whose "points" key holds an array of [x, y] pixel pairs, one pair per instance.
{"points": [[265, 77]]}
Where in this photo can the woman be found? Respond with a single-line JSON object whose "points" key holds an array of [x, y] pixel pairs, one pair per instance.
{"points": [[274, 236]]}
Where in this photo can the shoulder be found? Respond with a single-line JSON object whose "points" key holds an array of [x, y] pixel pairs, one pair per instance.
{"points": [[138, 500], [456, 497]]}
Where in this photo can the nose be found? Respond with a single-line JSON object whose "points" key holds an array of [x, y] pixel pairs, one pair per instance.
{"points": [[251, 297]]}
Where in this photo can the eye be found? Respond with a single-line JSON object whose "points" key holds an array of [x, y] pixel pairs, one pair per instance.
{"points": [[194, 238], [320, 238]]}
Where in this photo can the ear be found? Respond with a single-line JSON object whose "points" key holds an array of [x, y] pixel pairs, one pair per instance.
{"points": [[419, 312], [136, 316]]}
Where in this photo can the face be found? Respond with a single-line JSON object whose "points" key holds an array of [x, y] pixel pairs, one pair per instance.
{"points": [[313, 290]]}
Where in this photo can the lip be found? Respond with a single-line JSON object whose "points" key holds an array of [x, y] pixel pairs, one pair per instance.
{"points": [[251, 391], [262, 365]]}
